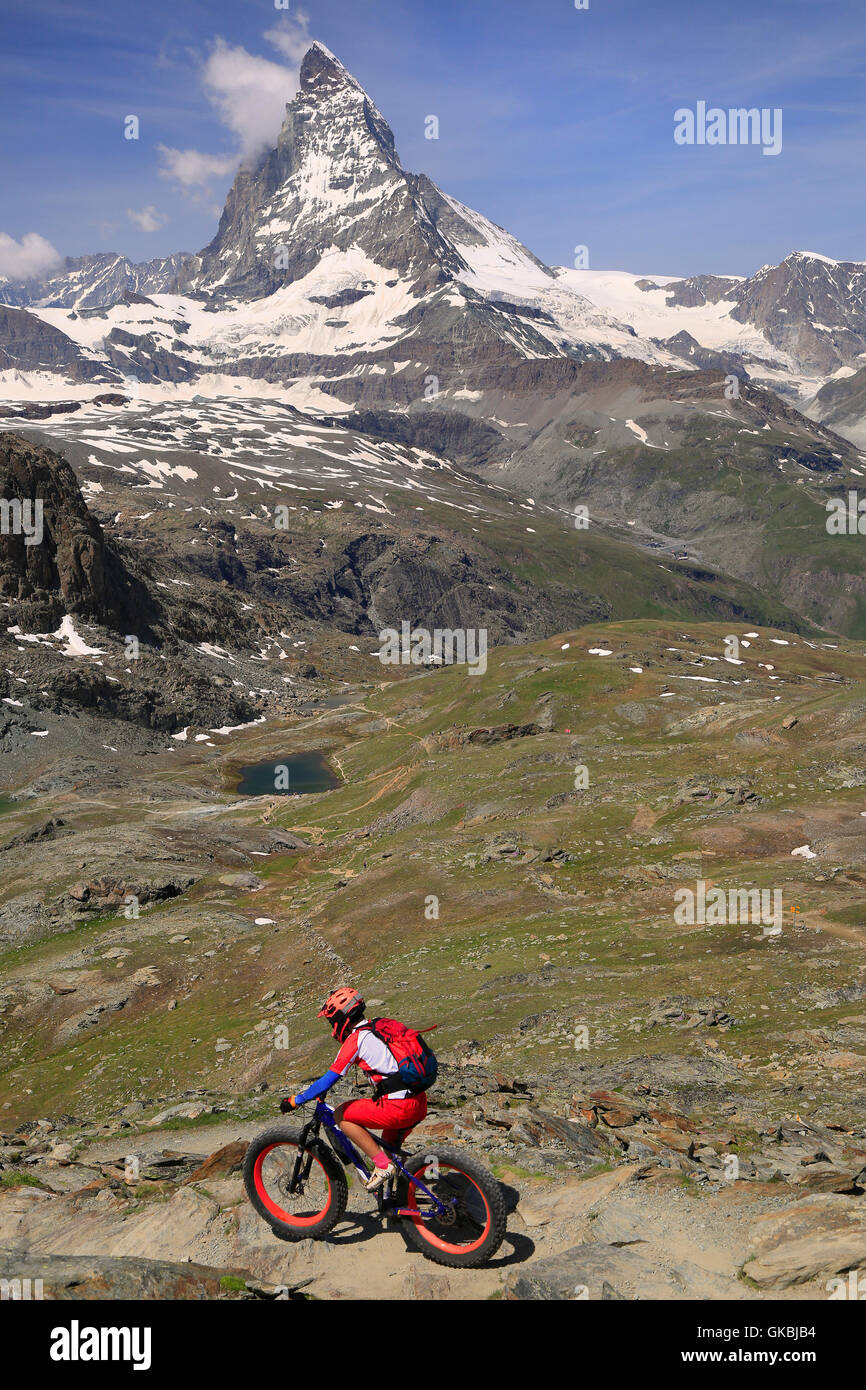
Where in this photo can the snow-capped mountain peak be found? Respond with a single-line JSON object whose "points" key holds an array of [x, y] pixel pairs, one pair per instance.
{"points": [[333, 182], [331, 256]]}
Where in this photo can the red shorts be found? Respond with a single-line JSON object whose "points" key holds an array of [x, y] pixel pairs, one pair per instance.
{"points": [[395, 1118]]}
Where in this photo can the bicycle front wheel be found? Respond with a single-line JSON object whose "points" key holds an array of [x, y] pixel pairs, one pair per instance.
{"points": [[321, 1193]]}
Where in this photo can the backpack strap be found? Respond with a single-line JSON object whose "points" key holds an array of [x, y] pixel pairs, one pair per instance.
{"points": [[382, 1088], [394, 1082]]}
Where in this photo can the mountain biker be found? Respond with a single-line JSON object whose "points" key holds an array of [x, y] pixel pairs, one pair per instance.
{"points": [[394, 1113]]}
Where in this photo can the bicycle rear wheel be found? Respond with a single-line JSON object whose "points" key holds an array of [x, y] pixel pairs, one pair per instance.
{"points": [[320, 1198], [475, 1223]]}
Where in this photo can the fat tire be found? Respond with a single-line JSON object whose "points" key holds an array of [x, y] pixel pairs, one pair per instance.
{"points": [[339, 1187], [416, 1231]]}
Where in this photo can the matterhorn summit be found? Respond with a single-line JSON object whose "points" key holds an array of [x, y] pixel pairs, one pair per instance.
{"points": [[333, 189]]}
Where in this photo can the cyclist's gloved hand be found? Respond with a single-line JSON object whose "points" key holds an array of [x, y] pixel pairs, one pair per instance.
{"points": [[288, 1104]]}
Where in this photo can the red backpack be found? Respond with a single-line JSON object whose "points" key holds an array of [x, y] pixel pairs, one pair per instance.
{"points": [[417, 1067]]}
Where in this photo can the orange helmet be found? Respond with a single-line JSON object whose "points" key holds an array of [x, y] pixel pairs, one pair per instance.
{"points": [[341, 1008]]}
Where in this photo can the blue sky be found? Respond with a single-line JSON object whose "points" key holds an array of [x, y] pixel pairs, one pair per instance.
{"points": [[555, 122]]}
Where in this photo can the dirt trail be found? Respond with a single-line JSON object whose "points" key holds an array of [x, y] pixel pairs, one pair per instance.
{"points": [[401, 776], [815, 923], [361, 1258]]}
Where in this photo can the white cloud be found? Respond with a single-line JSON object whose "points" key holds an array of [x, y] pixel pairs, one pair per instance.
{"points": [[31, 257], [291, 37], [249, 95], [148, 219], [192, 169]]}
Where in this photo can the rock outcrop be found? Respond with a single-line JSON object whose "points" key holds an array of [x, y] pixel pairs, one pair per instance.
{"points": [[64, 564], [28, 344]]}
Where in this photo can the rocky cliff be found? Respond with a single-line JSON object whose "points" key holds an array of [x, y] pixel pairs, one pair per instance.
{"points": [[65, 566]]}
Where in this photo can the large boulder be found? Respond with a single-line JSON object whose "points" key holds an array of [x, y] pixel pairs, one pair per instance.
{"points": [[104, 1277], [591, 1271], [818, 1238]]}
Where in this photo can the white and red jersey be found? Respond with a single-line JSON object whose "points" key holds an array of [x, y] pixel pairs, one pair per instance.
{"points": [[370, 1053]]}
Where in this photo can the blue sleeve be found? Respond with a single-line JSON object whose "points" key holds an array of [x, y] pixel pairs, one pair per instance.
{"points": [[318, 1088]]}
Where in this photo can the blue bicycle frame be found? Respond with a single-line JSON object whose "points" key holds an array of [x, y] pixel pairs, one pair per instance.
{"points": [[324, 1115]]}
